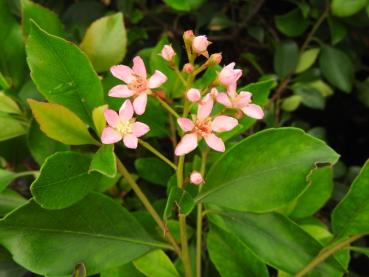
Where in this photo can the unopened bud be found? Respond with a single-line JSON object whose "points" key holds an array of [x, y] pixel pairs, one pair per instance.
{"points": [[167, 53], [200, 44], [215, 58], [193, 95], [188, 68], [188, 35], [196, 178]]}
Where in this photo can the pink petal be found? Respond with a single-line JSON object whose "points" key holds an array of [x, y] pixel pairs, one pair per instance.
{"points": [[111, 117], [185, 124], [215, 143], [187, 144], [139, 67], [130, 141], [120, 91], [157, 79], [126, 110], [243, 99], [139, 129], [223, 123], [196, 178], [205, 107], [139, 104], [232, 89], [123, 73], [254, 111], [109, 136], [223, 99], [193, 95]]}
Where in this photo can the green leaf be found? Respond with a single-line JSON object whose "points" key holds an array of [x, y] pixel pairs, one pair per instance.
{"points": [[8, 268], [40, 145], [104, 161], [59, 123], [248, 179], [6, 177], [63, 73], [12, 58], [310, 96], [64, 180], [307, 59], [292, 24], [96, 230], [337, 29], [291, 103], [9, 200], [183, 6], [45, 18], [8, 105], [322, 87], [153, 170], [156, 264], [317, 193], [99, 119], [337, 68], [351, 215], [127, 270], [344, 8], [179, 199], [11, 127], [231, 257], [105, 41], [275, 239], [285, 58], [361, 250]]}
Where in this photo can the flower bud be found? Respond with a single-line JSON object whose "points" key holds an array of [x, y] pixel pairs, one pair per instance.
{"points": [[167, 53], [188, 68], [215, 58], [193, 95], [228, 75], [188, 35], [200, 44], [196, 178]]}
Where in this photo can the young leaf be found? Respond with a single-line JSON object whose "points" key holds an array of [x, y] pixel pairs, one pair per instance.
{"points": [[307, 59], [276, 240], [337, 68], [265, 171], [64, 180], [45, 18], [153, 170], [96, 230], [104, 161], [344, 8], [285, 58], [231, 257], [59, 123], [351, 215], [63, 73], [8, 105], [105, 42], [156, 264]]}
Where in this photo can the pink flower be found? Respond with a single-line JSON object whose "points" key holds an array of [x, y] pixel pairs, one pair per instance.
{"points": [[123, 126], [137, 84], [241, 101], [168, 53], [193, 95], [200, 45], [203, 126], [196, 178], [188, 68], [228, 75]]}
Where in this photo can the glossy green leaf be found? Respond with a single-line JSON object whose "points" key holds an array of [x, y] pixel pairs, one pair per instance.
{"points": [[40, 145], [63, 73], [105, 42], [59, 123], [156, 264], [291, 103], [337, 68], [275, 239], [153, 170], [104, 161], [127, 270], [12, 58], [9, 200], [99, 119], [231, 257], [248, 179], [11, 127], [285, 58], [64, 180], [292, 24], [317, 193], [8, 105], [343, 8], [307, 59], [96, 230], [45, 18], [351, 215]]}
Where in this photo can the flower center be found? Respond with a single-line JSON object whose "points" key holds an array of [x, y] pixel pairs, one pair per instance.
{"points": [[203, 127], [124, 127], [138, 85]]}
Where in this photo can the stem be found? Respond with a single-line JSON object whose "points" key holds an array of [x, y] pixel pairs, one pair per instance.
{"points": [[184, 245], [149, 147], [180, 172], [176, 70], [123, 170], [167, 107], [325, 253], [26, 173]]}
